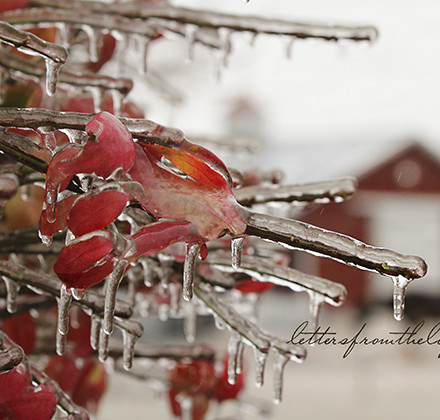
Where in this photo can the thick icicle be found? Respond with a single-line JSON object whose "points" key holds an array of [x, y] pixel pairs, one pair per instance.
{"points": [[314, 307], [128, 352], [234, 346], [260, 363], [95, 329], [400, 284], [52, 71], [190, 322], [110, 296], [64, 302], [236, 249], [93, 42], [117, 101], [278, 370], [103, 345], [12, 289], [192, 252]]}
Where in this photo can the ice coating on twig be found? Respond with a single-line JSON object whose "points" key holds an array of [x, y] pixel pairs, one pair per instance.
{"points": [[192, 252], [325, 191], [248, 333], [12, 289], [64, 402], [210, 19], [37, 117], [31, 44], [64, 302], [110, 296], [66, 77], [264, 270], [236, 250], [10, 354], [298, 235]]}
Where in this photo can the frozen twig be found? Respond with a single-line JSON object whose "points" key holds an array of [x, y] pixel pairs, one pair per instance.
{"points": [[64, 402], [334, 190], [46, 284], [11, 355], [214, 20], [31, 44], [298, 235], [265, 270], [37, 117], [30, 68]]}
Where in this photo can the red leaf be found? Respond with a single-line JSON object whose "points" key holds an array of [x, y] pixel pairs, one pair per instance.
{"points": [[157, 236], [85, 263], [96, 211], [195, 161], [110, 147]]}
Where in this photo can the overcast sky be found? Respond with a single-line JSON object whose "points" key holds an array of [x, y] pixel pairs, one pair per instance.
{"points": [[326, 92]]}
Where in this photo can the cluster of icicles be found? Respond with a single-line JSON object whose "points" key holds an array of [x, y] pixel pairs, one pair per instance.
{"points": [[209, 294], [140, 23]]}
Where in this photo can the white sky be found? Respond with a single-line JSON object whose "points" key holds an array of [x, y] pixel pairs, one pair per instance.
{"points": [[327, 92]]}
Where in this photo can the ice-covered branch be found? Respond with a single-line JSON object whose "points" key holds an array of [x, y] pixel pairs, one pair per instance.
{"points": [[214, 20], [243, 332], [298, 235], [31, 44], [11, 355], [262, 269], [64, 402], [30, 68], [22, 149], [326, 191], [38, 117], [43, 283], [54, 55]]}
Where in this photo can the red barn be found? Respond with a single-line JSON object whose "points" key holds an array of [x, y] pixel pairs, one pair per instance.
{"points": [[397, 206]]}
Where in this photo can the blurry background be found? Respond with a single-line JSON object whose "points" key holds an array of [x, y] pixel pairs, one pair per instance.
{"points": [[333, 109]]}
